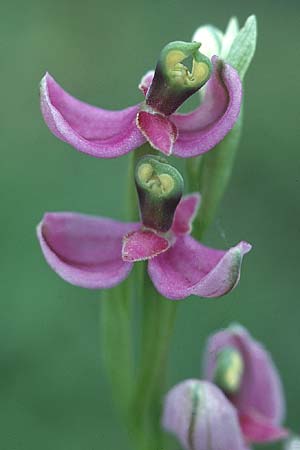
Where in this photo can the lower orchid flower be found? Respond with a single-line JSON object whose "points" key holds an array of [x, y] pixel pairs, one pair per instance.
{"points": [[109, 134], [244, 370], [201, 417], [95, 252]]}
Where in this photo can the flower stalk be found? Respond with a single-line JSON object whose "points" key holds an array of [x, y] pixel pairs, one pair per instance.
{"points": [[158, 320], [137, 388], [116, 344]]}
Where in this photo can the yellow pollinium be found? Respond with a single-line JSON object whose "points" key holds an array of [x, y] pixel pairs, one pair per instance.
{"points": [[174, 57], [233, 374], [161, 184], [180, 74], [145, 172], [200, 72]]}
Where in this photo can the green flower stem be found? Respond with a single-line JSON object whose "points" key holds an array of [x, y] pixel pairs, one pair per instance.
{"points": [[158, 317], [117, 351], [213, 177], [157, 326], [117, 319], [132, 211]]}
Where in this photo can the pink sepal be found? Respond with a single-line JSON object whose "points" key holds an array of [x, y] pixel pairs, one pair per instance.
{"points": [[190, 268], [85, 250], [185, 214], [146, 81], [98, 132], [203, 128]]}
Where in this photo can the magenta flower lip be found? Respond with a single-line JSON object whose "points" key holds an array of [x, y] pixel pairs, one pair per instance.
{"points": [[94, 252], [259, 400], [108, 134]]}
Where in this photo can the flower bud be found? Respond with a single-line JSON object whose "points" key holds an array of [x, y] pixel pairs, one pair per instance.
{"points": [[173, 83], [229, 370], [159, 186], [257, 394], [201, 417]]}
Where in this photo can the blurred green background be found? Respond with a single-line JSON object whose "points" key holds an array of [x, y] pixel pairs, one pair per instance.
{"points": [[53, 391]]}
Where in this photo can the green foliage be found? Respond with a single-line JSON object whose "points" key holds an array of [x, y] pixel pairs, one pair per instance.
{"points": [[243, 47]]}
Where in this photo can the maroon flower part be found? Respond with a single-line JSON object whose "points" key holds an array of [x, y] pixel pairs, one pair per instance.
{"points": [[109, 134], [201, 417], [94, 252], [246, 373]]}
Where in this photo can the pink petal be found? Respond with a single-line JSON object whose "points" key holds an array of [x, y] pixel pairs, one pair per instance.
{"points": [[185, 214], [85, 250], [257, 429], [261, 389], [189, 267], [202, 129], [98, 132], [206, 422], [159, 131], [143, 244], [146, 81]]}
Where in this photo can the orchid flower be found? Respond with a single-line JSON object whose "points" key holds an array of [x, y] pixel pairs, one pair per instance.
{"points": [[94, 252], [201, 417], [244, 370], [109, 134]]}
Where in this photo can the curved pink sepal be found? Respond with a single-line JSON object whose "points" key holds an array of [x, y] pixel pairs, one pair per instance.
{"points": [[202, 129], [261, 391], [143, 244], [85, 250], [185, 214], [98, 132], [258, 429], [146, 81], [159, 131], [190, 268]]}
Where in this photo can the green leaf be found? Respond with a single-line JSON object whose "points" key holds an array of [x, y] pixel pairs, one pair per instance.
{"points": [[230, 34], [213, 178], [243, 47]]}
